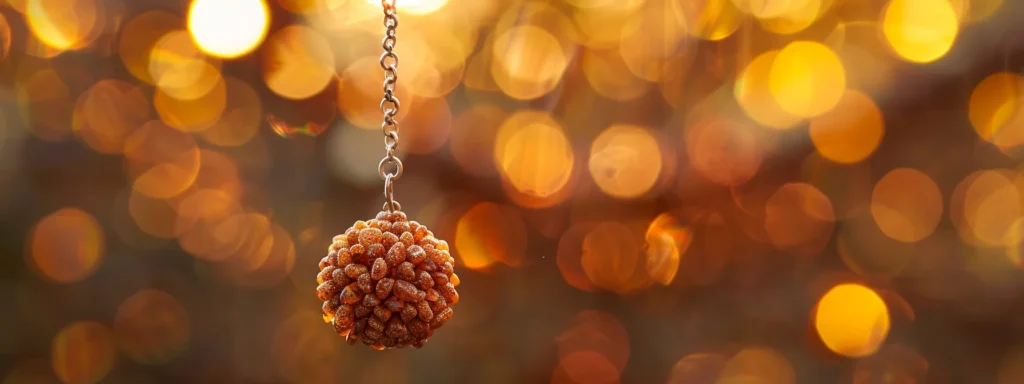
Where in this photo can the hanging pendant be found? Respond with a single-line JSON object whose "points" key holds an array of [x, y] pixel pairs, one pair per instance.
{"points": [[388, 282]]}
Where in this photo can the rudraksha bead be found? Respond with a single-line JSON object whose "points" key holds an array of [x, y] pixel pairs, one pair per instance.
{"points": [[387, 282]]}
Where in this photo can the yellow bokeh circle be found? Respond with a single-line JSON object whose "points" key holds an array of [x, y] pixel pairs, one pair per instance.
{"points": [[852, 320], [807, 79], [753, 93], [920, 31]]}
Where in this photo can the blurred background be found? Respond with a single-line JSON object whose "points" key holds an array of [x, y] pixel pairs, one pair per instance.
{"points": [[636, 191]]}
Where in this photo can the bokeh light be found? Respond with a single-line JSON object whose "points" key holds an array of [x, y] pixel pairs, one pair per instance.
{"points": [[570, 254], [992, 204], [151, 327], [920, 31], [417, 7], [67, 245], [138, 37], [611, 257], [108, 113], [906, 204], [807, 79], [788, 17], [851, 131], [192, 115], [625, 161], [852, 320], [608, 74], [489, 233], [723, 150], [652, 38], [5, 38], [697, 368], [754, 95], [63, 24], [83, 352], [595, 349], [228, 28], [712, 19], [533, 153], [758, 364], [666, 243], [528, 62], [995, 108], [242, 117], [180, 69], [799, 218], [161, 161], [45, 100], [297, 62]]}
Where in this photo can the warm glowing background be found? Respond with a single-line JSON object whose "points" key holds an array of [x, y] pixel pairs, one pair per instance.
{"points": [[636, 191]]}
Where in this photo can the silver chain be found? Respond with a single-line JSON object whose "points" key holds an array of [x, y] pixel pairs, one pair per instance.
{"points": [[390, 167]]}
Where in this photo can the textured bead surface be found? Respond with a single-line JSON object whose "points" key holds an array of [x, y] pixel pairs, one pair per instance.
{"points": [[387, 282]]}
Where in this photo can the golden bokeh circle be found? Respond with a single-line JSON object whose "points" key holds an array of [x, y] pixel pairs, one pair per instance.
{"points": [[789, 17], [920, 31], [108, 112], [807, 78], [63, 24], [852, 320], [160, 161], [179, 69], [297, 62], [242, 117], [851, 131], [193, 115], [712, 20], [753, 94], [528, 62], [533, 153], [992, 204], [625, 161], [995, 109], [139, 35]]}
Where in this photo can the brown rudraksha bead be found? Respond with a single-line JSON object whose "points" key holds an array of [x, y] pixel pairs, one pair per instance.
{"points": [[387, 282]]}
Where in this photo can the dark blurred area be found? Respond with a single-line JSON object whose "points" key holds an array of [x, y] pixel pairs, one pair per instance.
{"points": [[634, 191]]}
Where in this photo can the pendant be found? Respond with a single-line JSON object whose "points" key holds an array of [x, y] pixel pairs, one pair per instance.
{"points": [[387, 282]]}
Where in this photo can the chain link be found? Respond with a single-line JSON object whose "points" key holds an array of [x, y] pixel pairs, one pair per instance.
{"points": [[390, 167]]}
